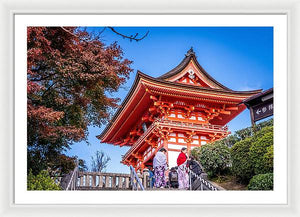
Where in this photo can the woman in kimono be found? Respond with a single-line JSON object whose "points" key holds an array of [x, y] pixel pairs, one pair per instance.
{"points": [[183, 176], [160, 166]]}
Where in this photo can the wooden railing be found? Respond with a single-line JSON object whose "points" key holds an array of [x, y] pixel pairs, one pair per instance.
{"points": [[194, 125]]}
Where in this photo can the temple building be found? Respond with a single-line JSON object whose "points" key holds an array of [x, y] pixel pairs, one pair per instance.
{"points": [[184, 107]]}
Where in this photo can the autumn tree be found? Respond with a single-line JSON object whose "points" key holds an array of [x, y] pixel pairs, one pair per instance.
{"points": [[70, 75]]}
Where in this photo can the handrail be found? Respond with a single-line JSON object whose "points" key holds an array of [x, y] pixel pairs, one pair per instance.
{"points": [[134, 176], [73, 180], [203, 181]]}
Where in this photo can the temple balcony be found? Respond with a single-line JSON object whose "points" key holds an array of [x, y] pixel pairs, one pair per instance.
{"points": [[165, 124], [193, 126]]}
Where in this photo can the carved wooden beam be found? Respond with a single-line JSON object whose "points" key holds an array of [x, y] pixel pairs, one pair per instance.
{"points": [[235, 108], [162, 132], [117, 143], [133, 133], [145, 118], [153, 98], [157, 103], [138, 156], [189, 110], [123, 143], [189, 136], [152, 109], [225, 112]]}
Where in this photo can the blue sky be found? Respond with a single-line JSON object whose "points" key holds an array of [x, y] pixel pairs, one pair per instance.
{"points": [[240, 58]]}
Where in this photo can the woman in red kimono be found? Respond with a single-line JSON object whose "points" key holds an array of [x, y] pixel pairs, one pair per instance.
{"points": [[183, 176]]}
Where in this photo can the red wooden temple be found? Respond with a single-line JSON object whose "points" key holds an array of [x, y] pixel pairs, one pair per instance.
{"points": [[184, 107]]}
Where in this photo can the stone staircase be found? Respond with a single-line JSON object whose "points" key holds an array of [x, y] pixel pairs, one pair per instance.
{"points": [[95, 181]]}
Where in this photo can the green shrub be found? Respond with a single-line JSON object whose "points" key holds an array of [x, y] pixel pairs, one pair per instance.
{"points": [[230, 140], [214, 157], [261, 182], [42, 181], [260, 153], [268, 158], [261, 132], [241, 162]]}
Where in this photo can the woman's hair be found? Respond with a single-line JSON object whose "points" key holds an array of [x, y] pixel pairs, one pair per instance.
{"points": [[183, 149], [162, 150]]}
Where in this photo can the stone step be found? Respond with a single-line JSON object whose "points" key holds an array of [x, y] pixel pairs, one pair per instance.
{"points": [[88, 188]]}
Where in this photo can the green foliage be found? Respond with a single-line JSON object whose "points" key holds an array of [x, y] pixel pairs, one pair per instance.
{"points": [[214, 157], [241, 161], [254, 154], [42, 181], [250, 153], [244, 133], [82, 167], [260, 152], [261, 125], [263, 131], [261, 182], [230, 140], [247, 132], [268, 158]]}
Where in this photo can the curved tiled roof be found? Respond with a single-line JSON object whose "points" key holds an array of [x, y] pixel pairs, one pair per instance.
{"points": [[164, 80], [140, 75], [190, 55]]}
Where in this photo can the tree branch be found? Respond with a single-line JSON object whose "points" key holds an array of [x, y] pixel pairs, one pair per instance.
{"points": [[132, 37]]}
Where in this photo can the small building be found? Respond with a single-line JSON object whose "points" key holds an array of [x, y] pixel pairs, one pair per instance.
{"points": [[260, 105], [184, 107]]}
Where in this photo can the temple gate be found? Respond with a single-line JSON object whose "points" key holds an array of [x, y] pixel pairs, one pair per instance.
{"points": [[184, 107]]}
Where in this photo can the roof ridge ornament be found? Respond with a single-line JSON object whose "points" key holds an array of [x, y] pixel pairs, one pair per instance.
{"points": [[190, 52]]}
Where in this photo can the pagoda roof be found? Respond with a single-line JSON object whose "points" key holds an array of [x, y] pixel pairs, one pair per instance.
{"points": [[190, 56], [138, 98]]}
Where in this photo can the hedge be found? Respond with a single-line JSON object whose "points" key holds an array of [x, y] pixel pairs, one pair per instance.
{"points": [[241, 162], [259, 155], [261, 182]]}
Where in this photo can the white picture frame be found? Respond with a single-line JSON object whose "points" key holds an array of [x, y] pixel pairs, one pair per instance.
{"points": [[9, 9]]}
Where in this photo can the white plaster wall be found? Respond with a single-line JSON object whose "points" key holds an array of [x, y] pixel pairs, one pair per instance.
{"points": [[172, 156]]}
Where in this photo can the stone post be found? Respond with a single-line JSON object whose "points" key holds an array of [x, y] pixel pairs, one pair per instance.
{"points": [[145, 178], [81, 181], [106, 181], [87, 180], [126, 182], [113, 181], [94, 180], [100, 181]]}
